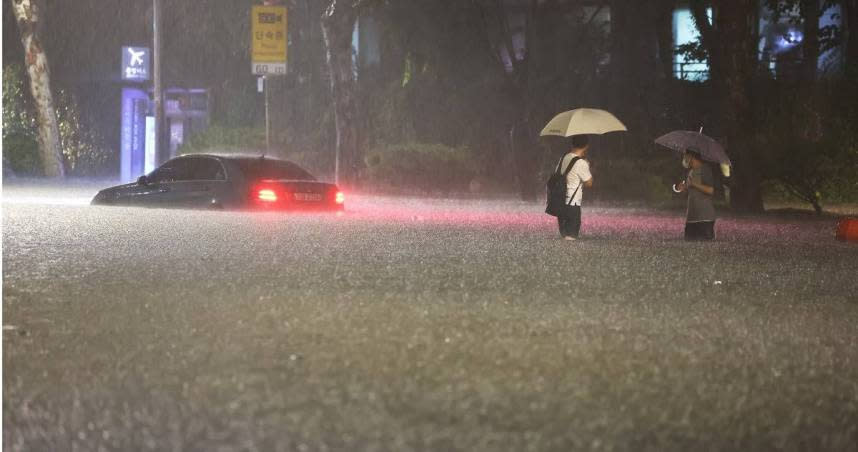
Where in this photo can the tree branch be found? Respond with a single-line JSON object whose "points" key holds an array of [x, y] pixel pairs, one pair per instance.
{"points": [[506, 35], [496, 54], [708, 33]]}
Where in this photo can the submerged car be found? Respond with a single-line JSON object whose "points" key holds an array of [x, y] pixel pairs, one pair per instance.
{"points": [[226, 182]]}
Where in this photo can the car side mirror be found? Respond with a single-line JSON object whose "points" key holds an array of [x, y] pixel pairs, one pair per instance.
{"points": [[143, 180]]}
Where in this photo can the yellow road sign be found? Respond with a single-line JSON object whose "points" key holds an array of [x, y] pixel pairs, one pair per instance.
{"points": [[268, 38]]}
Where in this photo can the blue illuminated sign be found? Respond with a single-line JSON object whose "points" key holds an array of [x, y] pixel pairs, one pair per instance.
{"points": [[135, 103], [135, 63]]}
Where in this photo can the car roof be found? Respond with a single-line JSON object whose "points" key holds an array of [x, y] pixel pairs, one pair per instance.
{"points": [[243, 160], [234, 156]]}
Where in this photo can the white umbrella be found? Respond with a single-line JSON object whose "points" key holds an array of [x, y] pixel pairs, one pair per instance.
{"points": [[583, 121]]}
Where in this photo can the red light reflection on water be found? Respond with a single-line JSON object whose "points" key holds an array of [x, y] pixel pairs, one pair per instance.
{"points": [[597, 222]]}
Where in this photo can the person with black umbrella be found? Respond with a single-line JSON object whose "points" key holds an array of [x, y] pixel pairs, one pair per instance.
{"points": [[700, 186]]}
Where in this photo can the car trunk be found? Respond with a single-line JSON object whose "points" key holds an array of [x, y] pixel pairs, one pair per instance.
{"points": [[295, 194]]}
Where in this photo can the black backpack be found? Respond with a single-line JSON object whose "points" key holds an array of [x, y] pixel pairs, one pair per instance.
{"points": [[555, 188]]}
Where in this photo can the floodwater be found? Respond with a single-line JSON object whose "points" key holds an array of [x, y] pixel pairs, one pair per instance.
{"points": [[407, 324]]}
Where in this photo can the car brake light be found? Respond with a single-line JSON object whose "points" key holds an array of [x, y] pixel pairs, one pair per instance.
{"points": [[267, 195], [340, 198]]}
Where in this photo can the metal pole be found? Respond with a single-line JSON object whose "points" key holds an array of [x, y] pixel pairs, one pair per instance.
{"points": [[267, 117], [158, 94]]}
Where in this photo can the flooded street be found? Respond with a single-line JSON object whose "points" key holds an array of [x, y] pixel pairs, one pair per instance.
{"points": [[407, 324]]}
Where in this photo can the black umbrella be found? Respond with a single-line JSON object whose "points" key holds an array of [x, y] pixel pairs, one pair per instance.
{"points": [[683, 140]]}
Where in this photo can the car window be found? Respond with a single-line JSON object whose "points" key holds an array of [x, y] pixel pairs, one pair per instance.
{"points": [[259, 169], [164, 173], [174, 170], [204, 168]]}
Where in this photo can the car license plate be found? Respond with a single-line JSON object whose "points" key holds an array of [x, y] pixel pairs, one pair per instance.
{"points": [[308, 197]]}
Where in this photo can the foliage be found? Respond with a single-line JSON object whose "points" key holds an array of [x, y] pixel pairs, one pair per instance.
{"points": [[639, 180], [21, 154], [693, 51], [422, 167], [441, 79], [432, 84], [320, 164], [82, 147], [219, 138], [20, 134], [810, 152], [830, 36], [444, 78], [225, 139]]}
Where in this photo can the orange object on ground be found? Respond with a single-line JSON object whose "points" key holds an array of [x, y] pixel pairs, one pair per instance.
{"points": [[848, 229]]}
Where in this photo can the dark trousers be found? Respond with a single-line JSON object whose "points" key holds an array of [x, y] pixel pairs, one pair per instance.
{"points": [[569, 221], [701, 230]]}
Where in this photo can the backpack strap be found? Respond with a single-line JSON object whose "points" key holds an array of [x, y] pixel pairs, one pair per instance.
{"points": [[559, 163], [568, 168], [565, 174], [571, 164]]}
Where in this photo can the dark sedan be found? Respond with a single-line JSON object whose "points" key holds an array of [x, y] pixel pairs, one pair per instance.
{"points": [[224, 181]]}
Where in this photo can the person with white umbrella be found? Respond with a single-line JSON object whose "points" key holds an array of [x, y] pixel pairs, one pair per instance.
{"points": [[577, 171], [573, 165]]}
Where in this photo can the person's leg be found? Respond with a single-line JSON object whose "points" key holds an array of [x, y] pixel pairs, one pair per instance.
{"points": [[562, 221], [708, 230], [700, 230], [574, 221], [691, 231]]}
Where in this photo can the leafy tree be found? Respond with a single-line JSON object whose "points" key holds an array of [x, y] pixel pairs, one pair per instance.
{"points": [[28, 14], [730, 43], [805, 163], [338, 23], [549, 53], [82, 147], [20, 137]]}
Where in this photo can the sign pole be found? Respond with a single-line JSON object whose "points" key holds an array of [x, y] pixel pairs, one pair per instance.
{"points": [[159, 97], [268, 50], [266, 88]]}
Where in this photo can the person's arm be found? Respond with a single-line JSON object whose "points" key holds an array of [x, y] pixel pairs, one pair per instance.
{"points": [[700, 183], [583, 172], [708, 189]]}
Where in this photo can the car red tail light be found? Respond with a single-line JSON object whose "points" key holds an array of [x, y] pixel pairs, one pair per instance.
{"points": [[267, 195], [340, 198]]}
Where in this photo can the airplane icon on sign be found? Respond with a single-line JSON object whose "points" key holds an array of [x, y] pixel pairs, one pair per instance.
{"points": [[136, 57]]}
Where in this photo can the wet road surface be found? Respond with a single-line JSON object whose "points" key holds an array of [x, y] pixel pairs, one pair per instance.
{"points": [[421, 325]]}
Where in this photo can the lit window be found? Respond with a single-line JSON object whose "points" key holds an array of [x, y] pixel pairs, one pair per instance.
{"points": [[685, 32]]}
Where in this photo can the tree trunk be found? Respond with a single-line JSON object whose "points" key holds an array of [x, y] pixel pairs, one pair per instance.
{"points": [[817, 207], [27, 14], [850, 12], [664, 35], [732, 50], [634, 59], [710, 37], [338, 23], [517, 89], [523, 137], [738, 62], [810, 12], [525, 152]]}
